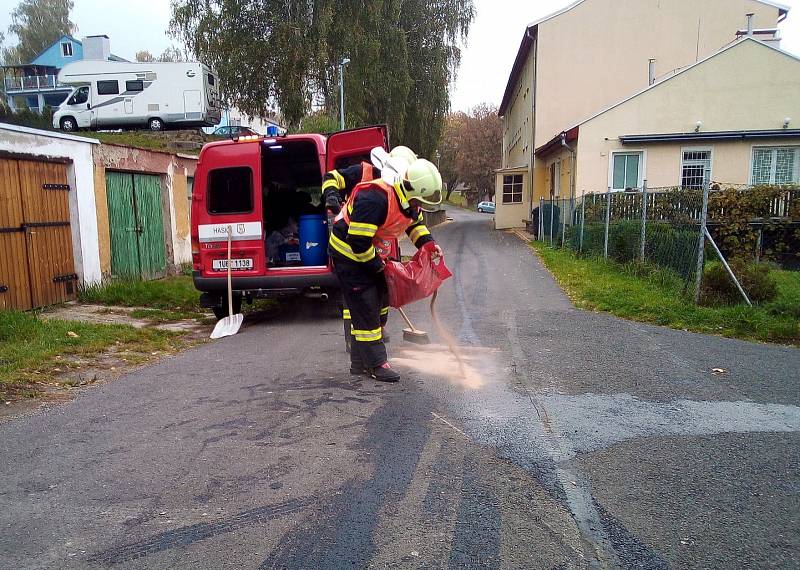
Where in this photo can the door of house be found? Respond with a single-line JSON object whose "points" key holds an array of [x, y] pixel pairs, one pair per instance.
{"points": [[136, 224], [36, 262]]}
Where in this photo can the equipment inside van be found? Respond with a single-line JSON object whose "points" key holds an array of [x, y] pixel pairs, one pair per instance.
{"points": [[153, 95], [268, 190]]}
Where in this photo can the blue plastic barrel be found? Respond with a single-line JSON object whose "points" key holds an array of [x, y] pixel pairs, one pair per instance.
{"points": [[314, 239]]}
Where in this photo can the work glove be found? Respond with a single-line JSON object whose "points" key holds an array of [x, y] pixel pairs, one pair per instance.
{"points": [[433, 248]]}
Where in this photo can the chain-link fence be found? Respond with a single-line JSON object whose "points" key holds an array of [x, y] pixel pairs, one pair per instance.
{"points": [[667, 227]]}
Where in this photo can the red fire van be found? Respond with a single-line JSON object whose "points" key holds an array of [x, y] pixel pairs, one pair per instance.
{"points": [[260, 187]]}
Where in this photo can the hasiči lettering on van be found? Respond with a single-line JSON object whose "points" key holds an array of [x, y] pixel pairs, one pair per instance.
{"points": [[239, 232]]}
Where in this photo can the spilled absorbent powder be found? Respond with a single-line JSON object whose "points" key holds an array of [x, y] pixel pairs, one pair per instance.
{"points": [[447, 360]]}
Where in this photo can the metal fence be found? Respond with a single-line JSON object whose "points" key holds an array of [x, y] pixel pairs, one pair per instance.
{"points": [[667, 227]]}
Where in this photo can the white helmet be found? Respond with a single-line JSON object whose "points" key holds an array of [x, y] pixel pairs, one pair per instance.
{"points": [[403, 152], [423, 182]]}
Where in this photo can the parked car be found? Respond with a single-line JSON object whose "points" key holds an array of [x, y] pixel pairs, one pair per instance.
{"points": [[234, 131], [486, 207], [267, 192]]}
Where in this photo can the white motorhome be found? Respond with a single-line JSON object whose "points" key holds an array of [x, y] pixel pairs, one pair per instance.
{"points": [[113, 94]]}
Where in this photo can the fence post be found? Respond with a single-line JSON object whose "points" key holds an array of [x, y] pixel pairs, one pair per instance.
{"points": [[552, 208], [644, 221], [564, 221], [583, 221], [728, 268], [698, 278], [608, 222], [541, 219]]}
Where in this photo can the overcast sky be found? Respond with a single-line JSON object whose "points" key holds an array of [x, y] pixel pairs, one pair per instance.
{"points": [[486, 62]]}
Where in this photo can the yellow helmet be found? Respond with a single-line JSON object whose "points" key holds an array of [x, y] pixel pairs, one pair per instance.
{"points": [[423, 182]]}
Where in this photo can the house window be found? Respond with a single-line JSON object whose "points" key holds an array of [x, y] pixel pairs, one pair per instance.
{"points": [[778, 165], [134, 86], [66, 49], [626, 170], [108, 87], [695, 168], [512, 189]]}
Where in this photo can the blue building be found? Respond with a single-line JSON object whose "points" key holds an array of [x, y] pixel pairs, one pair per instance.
{"points": [[35, 85]]}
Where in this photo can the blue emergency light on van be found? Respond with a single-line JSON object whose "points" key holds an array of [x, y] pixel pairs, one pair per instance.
{"points": [[314, 239], [272, 130]]}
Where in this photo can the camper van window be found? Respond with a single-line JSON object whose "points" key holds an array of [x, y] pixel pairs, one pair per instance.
{"points": [[134, 86], [79, 97], [108, 87], [230, 191], [210, 79]]}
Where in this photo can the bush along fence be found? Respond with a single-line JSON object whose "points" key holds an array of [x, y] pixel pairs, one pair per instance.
{"points": [[680, 228]]}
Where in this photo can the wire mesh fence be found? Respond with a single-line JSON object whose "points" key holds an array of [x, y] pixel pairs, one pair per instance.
{"points": [[665, 227]]}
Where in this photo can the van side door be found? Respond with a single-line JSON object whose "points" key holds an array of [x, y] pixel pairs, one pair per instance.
{"points": [[344, 147]]}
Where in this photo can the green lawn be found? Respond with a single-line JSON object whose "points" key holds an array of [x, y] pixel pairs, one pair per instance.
{"points": [[30, 348], [653, 295], [175, 293], [161, 300]]}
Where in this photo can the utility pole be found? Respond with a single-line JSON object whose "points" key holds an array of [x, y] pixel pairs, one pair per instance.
{"points": [[342, 63]]}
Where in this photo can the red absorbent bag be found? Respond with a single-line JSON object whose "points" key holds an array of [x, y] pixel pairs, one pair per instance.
{"points": [[416, 279]]}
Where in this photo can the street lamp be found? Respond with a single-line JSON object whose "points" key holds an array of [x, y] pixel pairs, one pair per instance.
{"points": [[344, 62], [438, 156]]}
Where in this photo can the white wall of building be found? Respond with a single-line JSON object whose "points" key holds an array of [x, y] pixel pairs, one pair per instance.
{"points": [[80, 172]]}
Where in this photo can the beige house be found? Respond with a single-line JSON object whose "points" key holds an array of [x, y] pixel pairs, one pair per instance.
{"points": [[589, 56], [730, 118]]}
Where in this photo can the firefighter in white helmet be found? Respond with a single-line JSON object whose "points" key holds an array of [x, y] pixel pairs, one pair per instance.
{"points": [[376, 213]]}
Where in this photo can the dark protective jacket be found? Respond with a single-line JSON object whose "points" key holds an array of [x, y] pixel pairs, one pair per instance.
{"points": [[375, 214], [338, 184]]}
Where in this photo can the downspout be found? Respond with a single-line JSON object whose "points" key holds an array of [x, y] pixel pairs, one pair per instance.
{"points": [[533, 118], [571, 167]]}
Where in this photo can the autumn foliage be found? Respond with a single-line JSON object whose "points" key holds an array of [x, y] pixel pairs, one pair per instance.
{"points": [[471, 149]]}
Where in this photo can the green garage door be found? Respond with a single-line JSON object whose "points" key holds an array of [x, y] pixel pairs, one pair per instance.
{"points": [[136, 224]]}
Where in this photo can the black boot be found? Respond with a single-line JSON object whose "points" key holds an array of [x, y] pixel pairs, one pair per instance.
{"points": [[384, 373]]}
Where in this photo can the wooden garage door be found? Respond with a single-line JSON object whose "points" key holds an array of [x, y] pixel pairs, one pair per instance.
{"points": [[36, 267]]}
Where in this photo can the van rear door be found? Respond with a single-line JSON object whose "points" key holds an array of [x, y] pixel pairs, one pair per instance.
{"points": [[354, 143]]}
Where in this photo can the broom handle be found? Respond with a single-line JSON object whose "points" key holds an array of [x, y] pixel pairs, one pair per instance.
{"points": [[405, 317], [230, 287]]}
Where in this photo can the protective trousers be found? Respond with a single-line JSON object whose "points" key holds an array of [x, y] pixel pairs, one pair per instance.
{"points": [[366, 298]]}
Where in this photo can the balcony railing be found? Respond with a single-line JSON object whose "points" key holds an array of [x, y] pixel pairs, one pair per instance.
{"points": [[33, 83]]}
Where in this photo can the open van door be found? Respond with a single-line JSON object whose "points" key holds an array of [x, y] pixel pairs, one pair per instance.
{"points": [[344, 146]]}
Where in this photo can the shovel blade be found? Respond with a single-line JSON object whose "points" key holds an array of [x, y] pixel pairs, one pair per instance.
{"points": [[228, 326]]}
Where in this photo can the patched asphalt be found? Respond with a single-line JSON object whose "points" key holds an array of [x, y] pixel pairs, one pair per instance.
{"points": [[556, 438]]}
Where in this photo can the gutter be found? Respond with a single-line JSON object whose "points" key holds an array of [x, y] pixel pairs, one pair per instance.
{"points": [[532, 144], [718, 136]]}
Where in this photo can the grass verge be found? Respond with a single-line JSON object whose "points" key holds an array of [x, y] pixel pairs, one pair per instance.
{"points": [[655, 295], [32, 351], [175, 294]]}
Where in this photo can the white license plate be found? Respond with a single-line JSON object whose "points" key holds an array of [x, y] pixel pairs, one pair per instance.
{"points": [[236, 264]]}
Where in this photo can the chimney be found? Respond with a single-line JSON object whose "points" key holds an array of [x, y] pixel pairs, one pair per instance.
{"points": [[750, 24], [96, 47], [651, 72]]}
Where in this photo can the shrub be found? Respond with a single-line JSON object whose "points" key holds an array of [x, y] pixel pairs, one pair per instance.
{"points": [[719, 289], [667, 246]]}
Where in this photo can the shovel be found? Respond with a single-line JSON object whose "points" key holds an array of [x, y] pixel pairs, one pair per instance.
{"points": [[230, 324]]}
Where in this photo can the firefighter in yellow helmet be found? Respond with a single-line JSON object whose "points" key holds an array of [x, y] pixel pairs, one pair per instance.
{"points": [[377, 212], [338, 184]]}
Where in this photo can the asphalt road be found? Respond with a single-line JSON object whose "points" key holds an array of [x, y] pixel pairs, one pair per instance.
{"points": [[557, 439]]}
